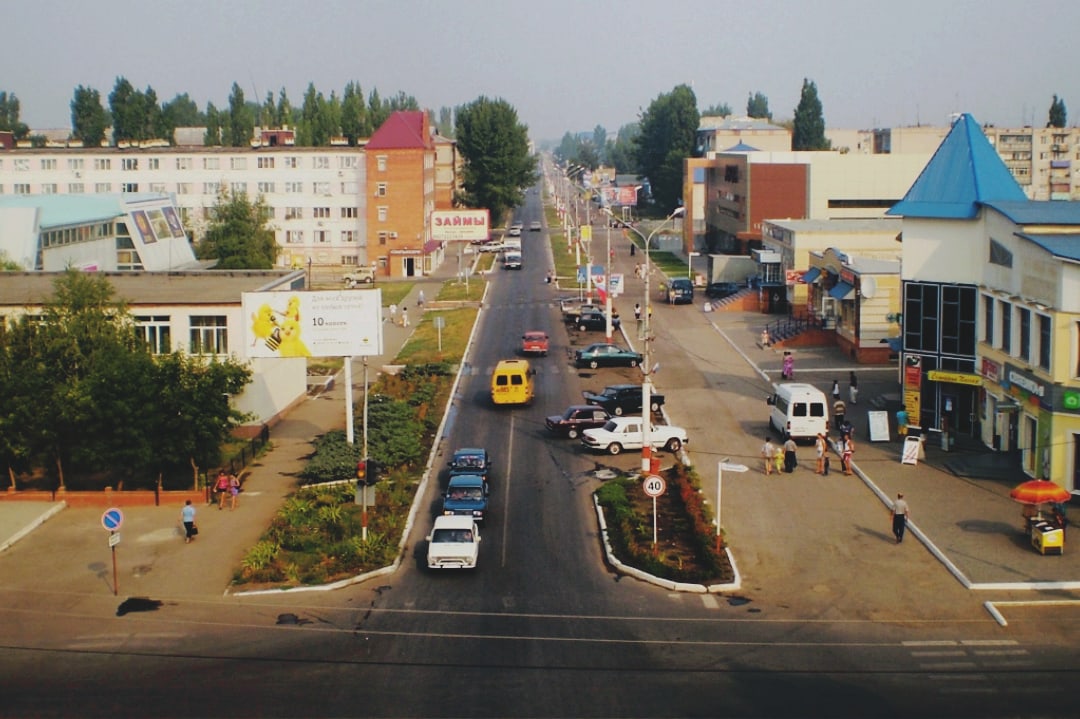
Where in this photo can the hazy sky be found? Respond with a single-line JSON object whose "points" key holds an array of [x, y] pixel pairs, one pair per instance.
{"points": [[563, 64]]}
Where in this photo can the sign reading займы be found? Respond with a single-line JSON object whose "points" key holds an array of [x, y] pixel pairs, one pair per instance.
{"points": [[313, 324]]}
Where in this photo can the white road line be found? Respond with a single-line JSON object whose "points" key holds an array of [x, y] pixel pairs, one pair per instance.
{"points": [[930, 643], [959, 678], [506, 491], [947, 666], [1000, 652], [709, 601], [949, 653], [989, 642]]}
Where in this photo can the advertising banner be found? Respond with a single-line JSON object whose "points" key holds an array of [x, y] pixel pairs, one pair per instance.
{"points": [[620, 196], [313, 324], [460, 225]]}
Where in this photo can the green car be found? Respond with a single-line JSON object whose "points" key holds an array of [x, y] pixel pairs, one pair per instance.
{"points": [[602, 354]]}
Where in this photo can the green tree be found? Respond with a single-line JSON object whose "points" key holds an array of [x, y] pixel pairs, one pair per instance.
{"points": [[494, 146], [809, 124], [214, 119], [239, 235], [240, 124], [284, 114], [126, 112], [378, 110], [720, 110], [154, 124], [268, 112], [757, 105], [9, 116], [1058, 115], [668, 130], [623, 153], [599, 143], [89, 120], [181, 111], [444, 125], [354, 118]]}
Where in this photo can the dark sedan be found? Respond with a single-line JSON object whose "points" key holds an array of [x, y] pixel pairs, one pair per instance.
{"points": [[720, 290], [603, 354], [594, 320], [620, 399], [575, 419], [470, 460]]}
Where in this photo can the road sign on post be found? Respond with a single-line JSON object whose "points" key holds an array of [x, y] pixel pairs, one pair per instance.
{"points": [[112, 519], [654, 486]]}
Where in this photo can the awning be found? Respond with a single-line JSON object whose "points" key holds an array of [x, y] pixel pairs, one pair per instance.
{"points": [[842, 291], [811, 275]]}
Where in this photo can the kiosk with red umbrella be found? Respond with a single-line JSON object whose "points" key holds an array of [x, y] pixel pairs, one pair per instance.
{"points": [[1047, 536]]}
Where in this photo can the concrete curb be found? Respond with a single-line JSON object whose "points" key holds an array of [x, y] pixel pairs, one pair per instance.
{"points": [[37, 522]]}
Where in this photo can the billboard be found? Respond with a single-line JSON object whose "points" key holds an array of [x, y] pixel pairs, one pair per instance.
{"points": [[620, 195], [345, 323], [460, 225]]}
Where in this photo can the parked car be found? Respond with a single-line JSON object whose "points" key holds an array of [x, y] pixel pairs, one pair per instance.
{"points": [[575, 419], [535, 226], [720, 290], [535, 342], [680, 291], [620, 399], [627, 433], [360, 276], [454, 543], [594, 320], [515, 229], [603, 354], [470, 460], [572, 307], [491, 247], [466, 495]]}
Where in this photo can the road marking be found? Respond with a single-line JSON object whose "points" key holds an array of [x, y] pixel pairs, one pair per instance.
{"points": [[506, 491], [950, 653], [930, 643], [947, 666], [959, 678], [989, 642], [710, 601]]}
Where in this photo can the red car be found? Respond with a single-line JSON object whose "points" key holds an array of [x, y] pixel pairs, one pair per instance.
{"points": [[534, 343]]}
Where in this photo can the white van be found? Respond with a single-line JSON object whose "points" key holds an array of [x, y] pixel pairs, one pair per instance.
{"points": [[799, 410]]}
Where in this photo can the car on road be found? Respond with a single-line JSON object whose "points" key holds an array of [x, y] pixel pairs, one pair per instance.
{"points": [[470, 460], [628, 433], [603, 354], [720, 290], [512, 260], [491, 247], [680, 291], [594, 320], [535, 342], [515, 229], [466, 495], [572, 307], [535, 226], [620, 399], [577, 418], [454, 543]]}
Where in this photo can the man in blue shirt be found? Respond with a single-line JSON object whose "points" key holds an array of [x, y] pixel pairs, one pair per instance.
{"points": [[187, 516]]}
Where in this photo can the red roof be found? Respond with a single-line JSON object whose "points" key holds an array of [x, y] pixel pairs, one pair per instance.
{"points": [[404, 129]]}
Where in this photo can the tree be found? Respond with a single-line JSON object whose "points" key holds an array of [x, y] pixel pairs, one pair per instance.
{"points": [[757, 105], [809, 124], [89, 120], [181, 111], [622, 151], [1057, 113], [284, 114], [721, 110], [214, 119], [444, 125], [494, 147], [126, 112], [268, 112], [240, 125], [599, 144], [9, 116], [239, 235], [353, 114], [668, 130]]}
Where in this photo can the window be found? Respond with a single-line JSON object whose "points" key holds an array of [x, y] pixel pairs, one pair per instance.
{"points": [[22, 164], [157, 187], [1006, 326], [48, 188], [322, 162], [348, 213], [100, 163], [265, 163], [211, 188], [183, 188], [22, 188], [1044, 342], [353, 260], [384, 212], [209, 335], [322, 236], [383, 237], [100, 187], [322, 213], [211, 163], [48, 163], [958, 320], [999, 255], [988, 320], [129, 187], [294, 237], [380, 189], [76, 188], [238, 188], [75, 163], [237, 163], [154, 163], [292, 163], [294, 213], [1024, 349], [349, 162], [321, 188], [294, 187], [183, 163], [348, 235], [129, 163], [920, 317], [154, 332], [266, 188], [380, 162]]}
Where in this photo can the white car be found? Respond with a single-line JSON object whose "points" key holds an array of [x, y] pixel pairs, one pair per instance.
{"points": [[454, 543], [515, 230], [625, 433]]}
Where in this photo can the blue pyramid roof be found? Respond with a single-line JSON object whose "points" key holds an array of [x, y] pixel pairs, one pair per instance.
{"points": [[964, 171], [741, 147]]}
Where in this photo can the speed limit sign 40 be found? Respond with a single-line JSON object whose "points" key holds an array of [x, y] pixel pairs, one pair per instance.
{"points": [[654, 485]]}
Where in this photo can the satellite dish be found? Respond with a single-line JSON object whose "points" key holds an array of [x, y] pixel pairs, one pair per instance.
{"points": [[868, 287]]}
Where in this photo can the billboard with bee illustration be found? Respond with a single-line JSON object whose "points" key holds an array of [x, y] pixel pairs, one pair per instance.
{"points": [[313, 324]]}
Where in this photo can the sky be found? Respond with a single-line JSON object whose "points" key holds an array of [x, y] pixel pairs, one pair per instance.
{"points": [[564, 65]]}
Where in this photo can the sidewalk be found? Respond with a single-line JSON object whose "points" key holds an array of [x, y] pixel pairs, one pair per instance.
{"points": [[152, 557]]}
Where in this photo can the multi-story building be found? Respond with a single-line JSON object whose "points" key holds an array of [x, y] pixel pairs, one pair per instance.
{"points": [[1044, 161]]}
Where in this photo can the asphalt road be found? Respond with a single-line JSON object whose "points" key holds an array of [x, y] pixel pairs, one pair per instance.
{"points": [[544, 627]]}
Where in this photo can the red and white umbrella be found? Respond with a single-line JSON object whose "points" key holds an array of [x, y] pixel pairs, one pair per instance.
{"points": [[1039, 491]]}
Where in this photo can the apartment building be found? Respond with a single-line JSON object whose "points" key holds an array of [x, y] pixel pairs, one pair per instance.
{"points": [[1044, 161]]}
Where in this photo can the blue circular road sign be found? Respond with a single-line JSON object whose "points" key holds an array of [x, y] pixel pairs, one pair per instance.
{"points": [[112, 519]]}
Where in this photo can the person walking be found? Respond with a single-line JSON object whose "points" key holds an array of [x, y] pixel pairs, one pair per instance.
{"points": [[404, 316], [836, 389], [765, 338], [839, 410], [820, 447], [790, 460], [187, 516], [393, 313], [637, 311], [901, 422], [900, 514], [768, 453], [789, 366], [849, 449], [420, 303], [234, 490], [853, 388], [221, 487]]}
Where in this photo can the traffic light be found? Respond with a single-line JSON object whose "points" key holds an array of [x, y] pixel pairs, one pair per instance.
{"points": [[372, 472], [362, 472]]}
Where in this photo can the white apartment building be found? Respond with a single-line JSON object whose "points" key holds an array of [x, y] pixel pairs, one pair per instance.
{"points": [[1044, 161], [317, 195]]}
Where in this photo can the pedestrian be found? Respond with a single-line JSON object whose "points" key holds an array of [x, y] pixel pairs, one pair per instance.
{"points": [[836, 389], [820, 447], [221, 487], [790, 460], [648, 310], [839, 410], [633, 249], [393, 313], [900, 514], [187, 516], [637, 311], [853, 388], [789, 366], [768, 453], [901, 422], [849, 449], [404, 316], [778, 458], [420, 303], [234, 491], [764, 337]]}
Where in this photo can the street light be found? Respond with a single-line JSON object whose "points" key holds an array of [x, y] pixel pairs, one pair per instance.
{"points": [[646, 383]]}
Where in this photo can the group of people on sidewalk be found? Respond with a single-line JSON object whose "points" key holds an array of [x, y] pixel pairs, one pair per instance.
{"points": [[226, 487], [783, 458]]}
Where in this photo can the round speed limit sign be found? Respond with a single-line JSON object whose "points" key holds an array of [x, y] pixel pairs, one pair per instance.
{"points": [[654, 485]]}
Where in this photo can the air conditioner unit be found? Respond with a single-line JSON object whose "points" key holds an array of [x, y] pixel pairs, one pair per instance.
{"points": [[393, 235], [78, 174]]}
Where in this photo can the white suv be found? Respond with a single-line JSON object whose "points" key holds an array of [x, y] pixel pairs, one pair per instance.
{"points": [[454, 543]]}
